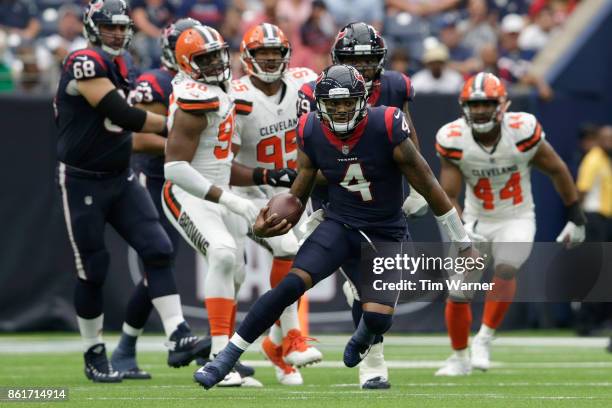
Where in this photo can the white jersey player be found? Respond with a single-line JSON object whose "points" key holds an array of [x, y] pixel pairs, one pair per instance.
{"points": [[196, 196], [493, 151], [265, 144]]}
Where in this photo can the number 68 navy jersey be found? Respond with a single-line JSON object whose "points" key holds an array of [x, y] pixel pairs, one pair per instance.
{"points": [[88, 140], [364, 182]]}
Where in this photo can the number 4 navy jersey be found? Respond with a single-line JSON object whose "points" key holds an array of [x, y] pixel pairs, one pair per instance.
{"points": [[364, 182], [154, 86], [88, 140], [393, 89]]}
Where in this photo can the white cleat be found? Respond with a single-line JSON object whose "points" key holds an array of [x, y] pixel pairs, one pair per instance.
{"points": [[481, 352], [233, 379], [251, 382], [297, 352], [455, 366], [291, 376]]}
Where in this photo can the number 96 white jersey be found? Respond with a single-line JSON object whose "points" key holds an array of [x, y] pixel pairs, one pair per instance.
{"points": [[213, 157], [266, 128], [498, 178]]}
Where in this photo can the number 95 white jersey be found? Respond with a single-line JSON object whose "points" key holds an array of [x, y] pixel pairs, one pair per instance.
{"points": [[265, 127], [213, 157], [498, 178]]}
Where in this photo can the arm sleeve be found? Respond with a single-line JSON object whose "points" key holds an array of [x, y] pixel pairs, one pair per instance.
{"points": [[186, 177]]}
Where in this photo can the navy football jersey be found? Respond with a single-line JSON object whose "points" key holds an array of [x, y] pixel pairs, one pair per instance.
{"points": [[392, 89], [154, 86], [88, 140], [364, 182]]}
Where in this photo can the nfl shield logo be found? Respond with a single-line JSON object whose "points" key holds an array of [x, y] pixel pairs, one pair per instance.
{"points": [[345, 150]]}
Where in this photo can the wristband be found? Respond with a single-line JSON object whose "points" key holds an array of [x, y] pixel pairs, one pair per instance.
{"points": [[260, 176], [575, 214], [454, 228]]}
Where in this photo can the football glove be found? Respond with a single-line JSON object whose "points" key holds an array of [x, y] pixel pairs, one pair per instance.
{"points": [[275, 177], [572, 234], [240, 206], [415, 204]]}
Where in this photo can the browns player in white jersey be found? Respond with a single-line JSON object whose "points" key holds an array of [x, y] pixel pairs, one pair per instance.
{"points": [[265, 144], [196, 196], [493, 151]]}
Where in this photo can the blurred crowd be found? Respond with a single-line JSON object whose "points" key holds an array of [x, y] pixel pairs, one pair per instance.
{"points": [[437, 42]]}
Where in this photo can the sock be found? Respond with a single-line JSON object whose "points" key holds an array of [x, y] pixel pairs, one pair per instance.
{"points": [[302, 312], [498, 301], [486, 331], [276, 335], [91, 330], [462, 353], [289, 319], [239, 342], [357, 312], [170, 312], [362, 335], [458, 322], [267, 309], [280, 269], [127, 342], [139, 306], [219, 315], [233, 318], [88, 300], [218, 343]]}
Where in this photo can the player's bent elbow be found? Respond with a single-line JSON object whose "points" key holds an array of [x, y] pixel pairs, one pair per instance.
{"points": [[116, 108]]}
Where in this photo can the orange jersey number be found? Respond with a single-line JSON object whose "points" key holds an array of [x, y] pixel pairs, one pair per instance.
{"points": [[226, 129], [512, 190], [270, 150]]}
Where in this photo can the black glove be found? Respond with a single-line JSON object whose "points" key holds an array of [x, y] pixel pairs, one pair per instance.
{"points": [[275, 178]]}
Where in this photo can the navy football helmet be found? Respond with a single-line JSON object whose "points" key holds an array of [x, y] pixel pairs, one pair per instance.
{"points": [[168, 40], [110, 13], [340, 82], [357, 41]]}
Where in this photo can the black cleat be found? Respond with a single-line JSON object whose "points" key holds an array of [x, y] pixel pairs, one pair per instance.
{"points": [[97, 366], [127, 366], [184, 347], [201, 361], [244, 370], [376, 383], [354, 352]]}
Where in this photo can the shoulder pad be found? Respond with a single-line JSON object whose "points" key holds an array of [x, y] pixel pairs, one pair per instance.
{"points": [[523, 129], [86, 63], [451, 138], [195, 96], [300, 76]]}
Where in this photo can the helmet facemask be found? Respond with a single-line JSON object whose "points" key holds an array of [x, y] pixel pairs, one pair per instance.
{"points": [[345, 121], [364, 62], [253, 65], [484, 122], [211, 67]]}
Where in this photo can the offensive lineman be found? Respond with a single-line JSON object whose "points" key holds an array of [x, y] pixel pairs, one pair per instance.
{"points": [[493, 151], [265, 144], [97, 186], [196, 196]]}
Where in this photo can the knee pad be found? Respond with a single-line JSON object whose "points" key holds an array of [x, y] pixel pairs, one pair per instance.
{"points": [[377, 323], [96, 266]]}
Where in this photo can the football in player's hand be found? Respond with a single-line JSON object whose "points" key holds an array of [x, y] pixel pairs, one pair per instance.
{"points": [[286, 206]]}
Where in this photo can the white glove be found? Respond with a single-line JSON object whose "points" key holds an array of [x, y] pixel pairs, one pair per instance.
{"points": [[415, 204], [240, 206], [474, 236], [311, 224], [572, 234]]}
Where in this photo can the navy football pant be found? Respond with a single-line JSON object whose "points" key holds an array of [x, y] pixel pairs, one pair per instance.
{"points": [[91, 200]]}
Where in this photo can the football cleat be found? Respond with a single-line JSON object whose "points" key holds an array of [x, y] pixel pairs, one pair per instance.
{"points": [[297, 352], [127, 366], [285, 374], [219, 368], [376, 383], [455, 366], [354, 352], [244, 370], [373, 372], [481, 352], [184, 347], [97, 366]]}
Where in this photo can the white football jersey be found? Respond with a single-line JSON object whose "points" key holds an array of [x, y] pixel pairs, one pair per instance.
{"points": [[213, 157], [498, 178], [265, 127]]}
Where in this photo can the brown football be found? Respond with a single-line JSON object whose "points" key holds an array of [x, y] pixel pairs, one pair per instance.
{"points": [[287, 206]]}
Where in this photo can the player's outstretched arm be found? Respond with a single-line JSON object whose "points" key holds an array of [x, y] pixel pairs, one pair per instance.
{"points": [[182, 143], [419, 175], [149, 142], [102, 95], [548, 162]]}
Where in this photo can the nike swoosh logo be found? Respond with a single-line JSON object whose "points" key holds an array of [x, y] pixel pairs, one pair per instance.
{"points": [[82, 57], [130, 177], [397, 115]]}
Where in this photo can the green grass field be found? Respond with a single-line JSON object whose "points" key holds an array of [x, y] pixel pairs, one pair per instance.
{"points": [[528, 372]]}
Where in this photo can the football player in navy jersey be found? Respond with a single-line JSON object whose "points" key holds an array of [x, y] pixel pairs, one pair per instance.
{"points": [[152, 93], [97, 186], [363, 153], [361, 46]]}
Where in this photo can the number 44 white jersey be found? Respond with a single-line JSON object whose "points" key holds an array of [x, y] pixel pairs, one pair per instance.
{"points": [[265, 127], [498, 178], [213, 157]]}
